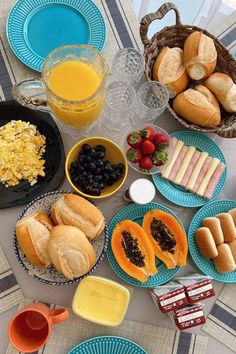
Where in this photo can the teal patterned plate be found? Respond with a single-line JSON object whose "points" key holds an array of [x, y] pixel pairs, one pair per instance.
{"points": [[180, 195], [204, 264], [36, 27], [107, 345], [135, 213]]}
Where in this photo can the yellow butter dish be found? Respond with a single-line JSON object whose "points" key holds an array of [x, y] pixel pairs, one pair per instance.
{"points": [[101, 300]]}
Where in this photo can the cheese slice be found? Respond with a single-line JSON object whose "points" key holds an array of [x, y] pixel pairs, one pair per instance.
{"points": [[184, 165], [196, 170], [168, 169], [214, 163]]}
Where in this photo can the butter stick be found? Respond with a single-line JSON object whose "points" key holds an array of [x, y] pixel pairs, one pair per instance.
{"points": [[168, 169], [184, 165], [196, 170], [214, 163]]}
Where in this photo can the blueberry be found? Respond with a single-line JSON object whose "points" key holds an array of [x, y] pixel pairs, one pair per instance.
{"points": [[88, 158], [107, 163], [90, 176], [93, 153], [108, 169], [100, 148], [73, 164], [95, 185], [120, 167], [92, 167], [81, 160], [110, 181], [100, 155], [114, 176], [105, 177], [98, 178], [96, 191], [85, 148], [102, 185], [100, 163]]}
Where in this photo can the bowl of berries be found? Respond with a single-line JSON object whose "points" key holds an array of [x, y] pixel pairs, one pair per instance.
{"points": [[96, 167], [149, 149]]}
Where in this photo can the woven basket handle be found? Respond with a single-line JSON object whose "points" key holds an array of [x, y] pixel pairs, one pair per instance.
{"points": [[158, 15], [227, 133]]}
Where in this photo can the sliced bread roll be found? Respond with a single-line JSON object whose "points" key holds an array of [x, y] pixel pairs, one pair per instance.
{"points": [[198, 106], [169, 70], [33, 234], [224, 89], [224, 262], [200, 55], [71, 252], [74, 210]]}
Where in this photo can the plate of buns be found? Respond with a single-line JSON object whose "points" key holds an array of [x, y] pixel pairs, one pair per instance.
{"points": [[198, 71], [60, 238], [212, 240], [196, 172]]}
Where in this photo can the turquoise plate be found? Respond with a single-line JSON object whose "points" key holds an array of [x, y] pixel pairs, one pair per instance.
{"points": [[36, 27], [107, 345], [180, 195], [135, 213], [204, 264]]}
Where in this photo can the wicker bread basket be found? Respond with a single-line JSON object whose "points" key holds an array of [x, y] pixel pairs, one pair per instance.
{"points": [[174, 36]]}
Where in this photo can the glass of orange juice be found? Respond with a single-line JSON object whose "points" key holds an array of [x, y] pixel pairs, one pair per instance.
{"points": [[72, 86]]}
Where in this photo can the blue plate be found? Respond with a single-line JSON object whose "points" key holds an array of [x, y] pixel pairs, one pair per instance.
{"points": [[36, 27], [107, 345], [204, 264], [180, 195], [135, 213]]}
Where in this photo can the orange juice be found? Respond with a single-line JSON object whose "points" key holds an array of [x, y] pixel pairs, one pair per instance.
{"points": [[75, 81]]}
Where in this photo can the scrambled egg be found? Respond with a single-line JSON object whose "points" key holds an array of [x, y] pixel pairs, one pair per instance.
{"points": [[21, 150]]}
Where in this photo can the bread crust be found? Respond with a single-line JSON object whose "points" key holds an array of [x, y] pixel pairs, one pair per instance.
{"points": [[181, 80], [24, 238], [224, 262], [227, 226], [208, 116], [205, 242]]}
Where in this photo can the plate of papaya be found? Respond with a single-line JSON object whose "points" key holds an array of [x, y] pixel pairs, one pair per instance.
{"points": [[147, 245]]}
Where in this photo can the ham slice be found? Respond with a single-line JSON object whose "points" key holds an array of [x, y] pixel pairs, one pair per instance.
{"points": [[178, 163], [202, 174], [173, 142], [190, 168], [214, 181]]}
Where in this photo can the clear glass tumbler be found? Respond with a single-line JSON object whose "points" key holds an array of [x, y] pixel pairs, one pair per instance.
{"points": [[119, 105], [128, 65], [152, 100]]}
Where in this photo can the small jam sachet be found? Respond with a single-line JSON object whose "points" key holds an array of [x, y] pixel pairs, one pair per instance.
{"points": [[189, 316], [197, 287], [169, 296]]}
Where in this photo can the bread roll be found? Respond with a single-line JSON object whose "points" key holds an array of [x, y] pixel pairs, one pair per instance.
{"points": [[232, 212], [198, 106], [232, 245], [227, 226], [224, 262], [199, 55], [70, 251], [224, 89], [33, 234], [169, 70], [205, 242], [73, 210], [214, 226]]}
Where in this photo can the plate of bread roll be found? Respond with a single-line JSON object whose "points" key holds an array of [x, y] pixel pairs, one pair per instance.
{"points": [[212, 240], [60, 238], [198, 71], [196, 172]]}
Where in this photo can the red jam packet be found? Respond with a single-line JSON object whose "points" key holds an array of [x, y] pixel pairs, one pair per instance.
{"points": [[189, 316], [197, 287], [169, 296]]}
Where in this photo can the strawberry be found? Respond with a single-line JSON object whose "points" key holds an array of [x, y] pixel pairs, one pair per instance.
{"points": [[146, 163], [161, 141], [159, 158], [134, 155], [147, 147], [148, 133], [134, 139]]}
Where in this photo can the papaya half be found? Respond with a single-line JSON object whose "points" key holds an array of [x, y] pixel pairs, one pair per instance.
{"points": [[133, 250], [167, 236]]}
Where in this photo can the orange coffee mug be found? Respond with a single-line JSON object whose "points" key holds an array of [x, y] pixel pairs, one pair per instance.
{"points": [[30, 328]]}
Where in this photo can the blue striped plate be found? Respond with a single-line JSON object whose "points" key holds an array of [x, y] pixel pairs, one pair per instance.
{"points": [[36, 27], [204, 264], [107, 345], [135, 213], [180, 195]]}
